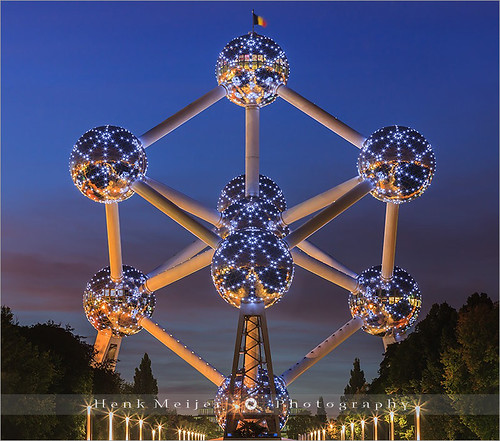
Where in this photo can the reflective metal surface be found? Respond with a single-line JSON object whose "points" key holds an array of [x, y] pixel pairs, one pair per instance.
{"points": [[386, 307], [251, 67], [252, 264], [400, 161], [116, 305], [255, 213], [105, 161], [234, 191], [252, 402]]}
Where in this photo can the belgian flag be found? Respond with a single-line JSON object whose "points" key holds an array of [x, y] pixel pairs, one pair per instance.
{"points": [[258, 20]]}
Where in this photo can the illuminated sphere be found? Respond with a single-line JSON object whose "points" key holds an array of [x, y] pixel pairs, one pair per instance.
{"points": [[105, 162], [251, 68], [386, 307], [253, 264], [234, 191], [115, 306], [399, 161], [252, 400], [254, 213]]}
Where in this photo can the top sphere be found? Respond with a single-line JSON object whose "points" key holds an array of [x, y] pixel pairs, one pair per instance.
{"points": [[400, 161], [105, 162], [251, 68], [234, 191]]}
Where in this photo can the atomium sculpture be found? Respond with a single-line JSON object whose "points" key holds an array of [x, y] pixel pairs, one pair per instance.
{"points": [[252, 249]]}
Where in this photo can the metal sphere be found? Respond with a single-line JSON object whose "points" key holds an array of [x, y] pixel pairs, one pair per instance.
{"points": [[400, 161], [234, 191], [251, 68], [252, 400], [254, 213], [115, 306], [387, 307], [104, 163], [253, 264]]}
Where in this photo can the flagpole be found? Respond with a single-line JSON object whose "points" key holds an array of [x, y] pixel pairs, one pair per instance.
{"points": [[253, 21]]}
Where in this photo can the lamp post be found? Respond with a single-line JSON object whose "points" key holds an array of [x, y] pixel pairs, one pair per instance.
{"points": [[89, 427], [391, 415], [352, 430], [110, 425], [342, 433], [362, 429], [127, 435], [375, 428], [141, 422], [417, 425]]}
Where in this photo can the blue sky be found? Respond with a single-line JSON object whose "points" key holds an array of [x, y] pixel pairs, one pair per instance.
{"points": [[71, 66]]}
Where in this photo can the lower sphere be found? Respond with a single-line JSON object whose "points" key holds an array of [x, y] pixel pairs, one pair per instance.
{"points": [[116, 306], [253, 400], [387, 307]]}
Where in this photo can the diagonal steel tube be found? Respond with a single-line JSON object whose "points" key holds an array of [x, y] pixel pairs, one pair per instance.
{"points": [[173, 211], [320, 255], [318, 202], [317, 113], [327, 272], [180, 271], [329, 213], [211, 215], [323, 349], [182, 116], [182, 351], [187, 253]]}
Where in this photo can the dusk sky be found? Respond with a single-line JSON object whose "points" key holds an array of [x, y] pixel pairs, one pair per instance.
{"points": [[70, 66]]}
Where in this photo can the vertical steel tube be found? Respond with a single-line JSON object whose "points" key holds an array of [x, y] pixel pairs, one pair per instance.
{"points": [[114, 242], [390, 233], [252, 151]]}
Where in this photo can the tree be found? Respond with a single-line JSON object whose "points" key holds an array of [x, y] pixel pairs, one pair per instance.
{"points": [[321, 412], [471, 365], [357, 382], [144, 381]]}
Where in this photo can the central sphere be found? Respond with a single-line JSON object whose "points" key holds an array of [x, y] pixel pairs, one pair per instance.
{"points": [[387, 307], [253, 401], [251, 68], [105, 162], [234, 191], [115, 306], [253, 264], [254, 213]]}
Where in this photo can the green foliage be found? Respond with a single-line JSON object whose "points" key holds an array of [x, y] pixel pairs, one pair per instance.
{"points": [[48, 359], [471, 364], [144, 381]]}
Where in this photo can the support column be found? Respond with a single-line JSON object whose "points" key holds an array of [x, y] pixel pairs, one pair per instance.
{"points": [[107, 348]]}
